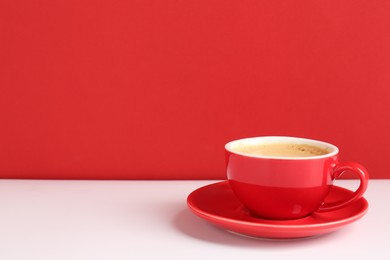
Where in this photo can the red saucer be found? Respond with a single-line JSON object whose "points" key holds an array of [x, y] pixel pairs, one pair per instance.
{"points": [[217, 204]]}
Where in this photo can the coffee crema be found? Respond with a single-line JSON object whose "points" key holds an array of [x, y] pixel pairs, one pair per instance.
{"points": [[281, 149]]}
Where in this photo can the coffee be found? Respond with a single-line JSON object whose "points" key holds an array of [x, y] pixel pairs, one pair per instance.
{"points": [[281, 149]]}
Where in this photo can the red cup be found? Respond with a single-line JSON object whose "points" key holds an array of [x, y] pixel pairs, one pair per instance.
{"points": [[287, 187]]}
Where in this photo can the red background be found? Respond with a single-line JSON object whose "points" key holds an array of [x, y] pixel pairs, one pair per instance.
{"points": [[143, 89]]}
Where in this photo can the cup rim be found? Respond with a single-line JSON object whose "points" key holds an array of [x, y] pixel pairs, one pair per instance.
{"points": [[333, 150]]}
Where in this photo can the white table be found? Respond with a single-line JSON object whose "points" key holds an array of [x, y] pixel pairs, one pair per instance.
{"points": [[51, 219]]}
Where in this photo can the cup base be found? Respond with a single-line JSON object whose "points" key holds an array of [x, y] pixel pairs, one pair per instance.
{"points": [[272, 218], [279, 203]]}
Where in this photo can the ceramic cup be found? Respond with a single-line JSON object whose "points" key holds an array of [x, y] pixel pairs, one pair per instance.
{"points": [[286, 186]]}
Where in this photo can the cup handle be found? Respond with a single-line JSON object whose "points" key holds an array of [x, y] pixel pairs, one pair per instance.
{"points": [[339, 169]]}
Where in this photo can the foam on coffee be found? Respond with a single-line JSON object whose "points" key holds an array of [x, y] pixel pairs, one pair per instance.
{"points": [[281, 149]]}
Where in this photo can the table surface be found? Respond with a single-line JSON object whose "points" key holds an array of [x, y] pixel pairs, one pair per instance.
{"points": [[68, 219]]}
